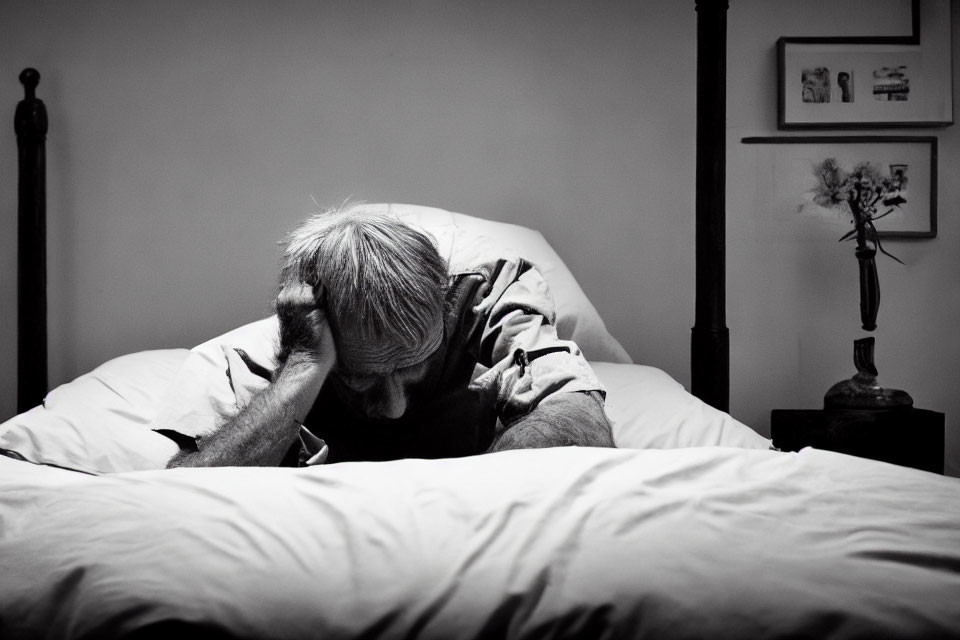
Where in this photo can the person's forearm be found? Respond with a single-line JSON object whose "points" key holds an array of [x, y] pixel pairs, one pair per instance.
{"points": [[567, 419], [264, 430]]}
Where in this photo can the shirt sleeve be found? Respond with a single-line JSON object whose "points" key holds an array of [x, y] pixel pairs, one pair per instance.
{"points": [[529, 363]]}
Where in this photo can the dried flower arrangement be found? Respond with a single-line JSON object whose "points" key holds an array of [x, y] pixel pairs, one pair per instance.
{"points": [[861, 192]]}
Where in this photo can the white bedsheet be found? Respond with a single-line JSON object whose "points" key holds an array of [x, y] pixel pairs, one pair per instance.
{"points": [[582, 543]]}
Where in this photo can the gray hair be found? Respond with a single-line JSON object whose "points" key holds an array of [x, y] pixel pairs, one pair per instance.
{"points": [[373, 271]]}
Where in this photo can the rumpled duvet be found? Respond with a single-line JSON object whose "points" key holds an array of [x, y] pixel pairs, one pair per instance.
{"points": [[551, 543]]}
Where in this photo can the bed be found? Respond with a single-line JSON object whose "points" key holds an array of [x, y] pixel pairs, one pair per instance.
{"points": [[693, 527]]}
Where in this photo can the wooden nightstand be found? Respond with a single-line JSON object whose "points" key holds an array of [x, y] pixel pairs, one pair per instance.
{"points": [[907, 436]]}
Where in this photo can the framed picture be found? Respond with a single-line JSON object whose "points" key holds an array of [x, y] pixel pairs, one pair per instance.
{"points": [[832, 83], [815, 174]]}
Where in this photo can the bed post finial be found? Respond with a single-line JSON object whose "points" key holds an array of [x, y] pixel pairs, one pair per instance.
{"points": [[30, 124], [30, 118], [30, 78]]}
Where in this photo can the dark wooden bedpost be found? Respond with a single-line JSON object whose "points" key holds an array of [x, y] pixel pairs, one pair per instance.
{"points": [[30, 124], [710, 343]]}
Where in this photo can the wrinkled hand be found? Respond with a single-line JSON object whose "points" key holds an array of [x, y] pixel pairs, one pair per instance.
{"points": [[305, 333]]}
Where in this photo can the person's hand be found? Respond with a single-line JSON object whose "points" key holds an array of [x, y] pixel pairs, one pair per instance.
{"points": [[305, 335], [307, 351]]}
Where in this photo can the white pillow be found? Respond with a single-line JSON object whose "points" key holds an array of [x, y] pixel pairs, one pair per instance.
{"points": [[462, 238], [100, 422], [651, 410]]}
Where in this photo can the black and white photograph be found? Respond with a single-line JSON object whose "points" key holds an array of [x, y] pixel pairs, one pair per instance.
{"points": [[459, 320], [846, 85], [891, 84], [903, 81], [817, 85]]}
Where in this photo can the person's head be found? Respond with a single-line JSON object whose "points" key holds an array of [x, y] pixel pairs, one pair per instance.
{"points": [[382, 285]]}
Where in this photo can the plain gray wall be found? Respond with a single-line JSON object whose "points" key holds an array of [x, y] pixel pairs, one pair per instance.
{"points": [[186, 137]]}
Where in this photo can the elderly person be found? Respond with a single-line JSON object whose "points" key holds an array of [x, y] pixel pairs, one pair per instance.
{"points": [[384, 354]]}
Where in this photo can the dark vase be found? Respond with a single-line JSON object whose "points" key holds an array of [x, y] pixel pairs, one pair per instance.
{"points": [[862, 391], [869, 288]]}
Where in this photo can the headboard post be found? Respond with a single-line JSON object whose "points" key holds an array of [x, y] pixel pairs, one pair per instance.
{"points": [[710, 342], [30, 124]]}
